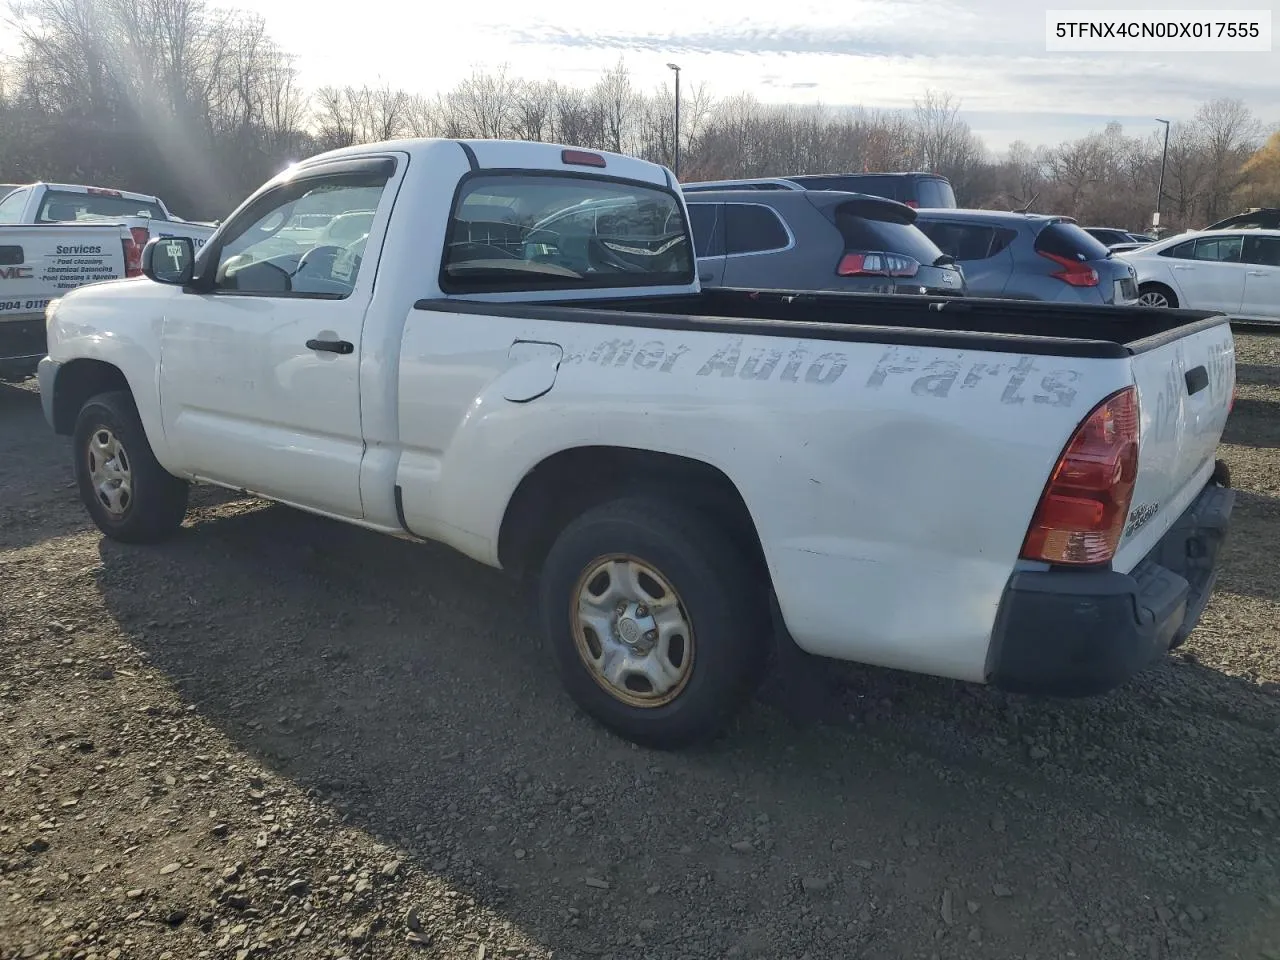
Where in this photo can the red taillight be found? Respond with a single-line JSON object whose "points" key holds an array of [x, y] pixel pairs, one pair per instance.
{"points": [[1082, 511], [877, 265], [138, 237], [582, 158], [913, 205], [1073, 271]]}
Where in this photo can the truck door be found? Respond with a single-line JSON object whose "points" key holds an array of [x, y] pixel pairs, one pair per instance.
{"points": [[259, 378]]}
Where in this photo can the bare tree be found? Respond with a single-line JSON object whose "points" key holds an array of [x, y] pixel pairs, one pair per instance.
{"points": [[1230, 133]]}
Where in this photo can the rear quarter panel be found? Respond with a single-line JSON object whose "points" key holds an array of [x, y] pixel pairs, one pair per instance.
{"points": [[891, 487]]}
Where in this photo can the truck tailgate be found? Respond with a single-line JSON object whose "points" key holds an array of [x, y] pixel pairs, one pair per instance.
{"points": [[42, 261], [1185, 385]]}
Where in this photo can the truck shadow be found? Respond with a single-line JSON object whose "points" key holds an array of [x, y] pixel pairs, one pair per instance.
{"points": [[404, 685]]}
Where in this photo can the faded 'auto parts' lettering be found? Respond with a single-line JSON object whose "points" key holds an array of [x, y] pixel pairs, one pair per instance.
{"points": [[938, 377], [730, 360]]}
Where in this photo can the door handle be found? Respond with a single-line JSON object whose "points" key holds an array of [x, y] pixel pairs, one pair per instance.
{"points": [[1257, 273], [331, 346], [704, 277]]}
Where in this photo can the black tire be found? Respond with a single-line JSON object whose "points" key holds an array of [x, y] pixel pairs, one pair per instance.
{"points": [[1159, 288], [724, 600], [156, 502]]}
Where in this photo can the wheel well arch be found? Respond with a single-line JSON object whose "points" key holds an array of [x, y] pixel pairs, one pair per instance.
{"points": [[1164, 288], [77, 381], [569, 482]]}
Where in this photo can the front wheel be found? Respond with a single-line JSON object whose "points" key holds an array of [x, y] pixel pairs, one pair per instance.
{"points": [[658, 625], [129, 496]]}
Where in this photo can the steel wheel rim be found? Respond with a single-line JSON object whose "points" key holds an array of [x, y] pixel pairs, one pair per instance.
{"points": [[1153, 298], [110, 471], [632, 631]]}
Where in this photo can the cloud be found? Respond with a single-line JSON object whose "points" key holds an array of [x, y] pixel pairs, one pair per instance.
{"points": [[886, 40]]}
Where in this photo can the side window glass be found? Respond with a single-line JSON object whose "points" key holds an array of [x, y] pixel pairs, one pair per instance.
{"points": [[1219, 249], [11, 206], [1264, 251], [1000, 242], [1183, 251], [975, 243], [306, 238], [929, 193], [752, 229], [702, 221]]}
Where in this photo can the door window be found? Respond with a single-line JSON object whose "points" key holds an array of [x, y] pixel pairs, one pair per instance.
{"points": [[1263, 251], [305, 238], [752, 228], [11, 206], [702, 220], [967, 241], [1219, 249]]}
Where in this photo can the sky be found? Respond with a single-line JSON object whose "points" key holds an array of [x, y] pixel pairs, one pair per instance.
{"points": [[990, 54]]}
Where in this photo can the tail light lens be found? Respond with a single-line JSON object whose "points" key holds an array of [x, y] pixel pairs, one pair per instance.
{"points": [[138, 237], [913, 205], [1073, 271], [877, 265], [1082, 511]]}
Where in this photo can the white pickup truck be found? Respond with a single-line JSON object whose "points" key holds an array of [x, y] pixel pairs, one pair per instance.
{"points": [[1013, 493], [55, 237]]}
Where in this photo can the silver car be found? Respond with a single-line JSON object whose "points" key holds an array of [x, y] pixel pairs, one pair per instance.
{"points": [[1028, 256]]}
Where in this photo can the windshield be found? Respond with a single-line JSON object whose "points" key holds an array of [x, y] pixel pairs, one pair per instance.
{"points": [[520, 231]]}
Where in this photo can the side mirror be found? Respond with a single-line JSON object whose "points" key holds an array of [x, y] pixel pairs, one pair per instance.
{"points": [[169, 260]]}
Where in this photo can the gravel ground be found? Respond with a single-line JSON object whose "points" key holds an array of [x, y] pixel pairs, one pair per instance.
{"points": [[277, 736]]}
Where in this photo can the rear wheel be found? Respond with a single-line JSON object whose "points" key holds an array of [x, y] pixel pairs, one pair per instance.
{"points": [[129, 496], [1156, 295], [658, 626]]}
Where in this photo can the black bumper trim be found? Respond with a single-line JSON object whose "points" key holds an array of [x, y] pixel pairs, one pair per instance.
{"points": [[1077, 633], [22, 344]]}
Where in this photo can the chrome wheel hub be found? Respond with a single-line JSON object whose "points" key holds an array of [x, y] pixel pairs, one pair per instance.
{"points": [[110, 472], [632, 631]]}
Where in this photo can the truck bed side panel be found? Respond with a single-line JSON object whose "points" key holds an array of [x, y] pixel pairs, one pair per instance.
{"points": [[891, 486]]}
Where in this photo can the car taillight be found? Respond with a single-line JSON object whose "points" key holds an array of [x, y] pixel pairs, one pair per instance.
{"points": [[138, 237], [913, 205], [877, 265], [1082, 511], [1073, 271]]}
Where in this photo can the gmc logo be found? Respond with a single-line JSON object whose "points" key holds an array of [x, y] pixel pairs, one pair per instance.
{"points": [[16, 273]]}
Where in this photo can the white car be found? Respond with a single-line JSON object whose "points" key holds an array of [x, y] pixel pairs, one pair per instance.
{"points": [[1236, 272]]}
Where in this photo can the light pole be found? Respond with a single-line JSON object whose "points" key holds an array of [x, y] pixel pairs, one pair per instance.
{"points": [[1155, 221], [676, 152]]}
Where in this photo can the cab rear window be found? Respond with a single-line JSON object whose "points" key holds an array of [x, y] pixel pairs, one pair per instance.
{"points": [[60, 206], [536, 231]]}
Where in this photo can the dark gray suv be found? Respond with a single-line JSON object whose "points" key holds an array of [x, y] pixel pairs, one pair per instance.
{"points": [[816, 240], [1028, 256]]}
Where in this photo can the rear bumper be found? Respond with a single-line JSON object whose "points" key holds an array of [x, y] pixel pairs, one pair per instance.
{"points": [[22, 344], [1081, 633]]}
